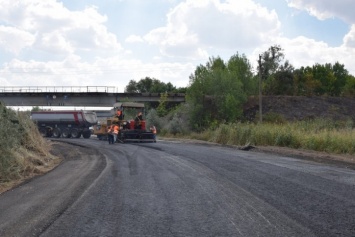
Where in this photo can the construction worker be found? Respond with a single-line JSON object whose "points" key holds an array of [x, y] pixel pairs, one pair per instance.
{"points": [[109, 134], [138, 121], [119, 115], [116, 128], [153, 129]]}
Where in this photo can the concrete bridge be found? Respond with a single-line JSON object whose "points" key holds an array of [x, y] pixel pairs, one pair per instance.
{"points": [[85, 96]]}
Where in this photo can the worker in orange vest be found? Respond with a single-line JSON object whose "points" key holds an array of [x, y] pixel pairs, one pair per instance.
{"points": [[153, 129], [138, 121], [119, 115], [110, 134], [116, 128]]}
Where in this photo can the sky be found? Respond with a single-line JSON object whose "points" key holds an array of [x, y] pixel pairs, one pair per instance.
{"points": [[110, 42]]}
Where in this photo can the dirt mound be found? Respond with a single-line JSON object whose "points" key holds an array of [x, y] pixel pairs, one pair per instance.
{"points": [[302, 107]]}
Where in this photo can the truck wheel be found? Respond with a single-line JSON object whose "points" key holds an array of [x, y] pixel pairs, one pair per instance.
{"points": [[86, 134], [43, 132], [66, 133], [75, 133], [49, 132], [57, 132]]}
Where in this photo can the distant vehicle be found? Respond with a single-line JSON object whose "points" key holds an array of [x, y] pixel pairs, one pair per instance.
{"points": [[68, 123], [133, 130]]}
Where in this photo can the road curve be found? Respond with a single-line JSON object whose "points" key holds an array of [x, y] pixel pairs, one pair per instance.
{"points": [[181, 189]]}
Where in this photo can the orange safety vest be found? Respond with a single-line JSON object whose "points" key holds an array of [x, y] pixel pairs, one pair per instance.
{"points": [[115, 129]]}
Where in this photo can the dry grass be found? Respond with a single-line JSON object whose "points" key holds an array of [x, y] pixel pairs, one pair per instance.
{"points": [[316, 135], [24, 153]]}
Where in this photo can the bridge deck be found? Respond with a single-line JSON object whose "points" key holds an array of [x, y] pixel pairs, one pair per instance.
{"points": [[94, 96]]}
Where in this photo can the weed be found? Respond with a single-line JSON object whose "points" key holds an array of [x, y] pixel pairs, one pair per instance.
{"points": [[317, 135], [19, 137]]}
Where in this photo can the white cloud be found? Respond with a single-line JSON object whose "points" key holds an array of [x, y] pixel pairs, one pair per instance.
{"points": [[302, 51], [323, 9], [349, 39], [134, 39], [14, 40], [307, 52], [56, 29], [194, 26]]}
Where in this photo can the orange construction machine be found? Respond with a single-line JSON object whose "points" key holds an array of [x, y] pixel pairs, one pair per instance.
{"points": [[132, 130]]}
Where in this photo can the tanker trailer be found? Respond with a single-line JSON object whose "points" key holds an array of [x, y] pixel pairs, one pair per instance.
{"points": [[68, 123]]}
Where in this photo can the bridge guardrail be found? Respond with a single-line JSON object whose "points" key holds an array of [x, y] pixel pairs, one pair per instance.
{"points": [[40, 89]]}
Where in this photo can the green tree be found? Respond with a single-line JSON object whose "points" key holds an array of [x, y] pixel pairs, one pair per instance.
{"points": [[349, 88], [240, 67], [270, 61], [341, 75], [162, 107], [321, 79], [281, 82], [131, 87], [35, 109], [149, 85], [217, 92], [277, 74], [323, 74]]}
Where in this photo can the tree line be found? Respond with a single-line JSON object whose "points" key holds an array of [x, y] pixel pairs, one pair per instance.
{"points": [[217, 90]]}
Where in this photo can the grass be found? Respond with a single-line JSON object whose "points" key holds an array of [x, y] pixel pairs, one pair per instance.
{"points": [[23, 151], [317, 135]]}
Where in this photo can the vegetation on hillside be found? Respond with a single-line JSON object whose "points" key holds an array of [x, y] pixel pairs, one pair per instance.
{"points": [[218, 91], [23, 151], [317, 135]]}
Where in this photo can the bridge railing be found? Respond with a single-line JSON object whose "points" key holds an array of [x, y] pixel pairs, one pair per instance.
{"points": [[40, 89]]}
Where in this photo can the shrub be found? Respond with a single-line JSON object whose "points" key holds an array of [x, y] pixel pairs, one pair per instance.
{"points": [[21, 145]]}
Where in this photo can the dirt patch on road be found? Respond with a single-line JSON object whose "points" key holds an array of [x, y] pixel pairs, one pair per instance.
{"points": [[67, 151]]}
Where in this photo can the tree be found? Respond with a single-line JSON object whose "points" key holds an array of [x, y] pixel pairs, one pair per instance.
{"points": [[341, 75], [131, 87], [349, 88], [35, 109], [149, 85], [218, 90], [270, 61], [240, 67], [162, 107], [281, 82], [277, 75], [321, 79]]}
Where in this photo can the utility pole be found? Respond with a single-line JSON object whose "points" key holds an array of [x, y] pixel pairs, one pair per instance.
{"points": [[260, 92]]}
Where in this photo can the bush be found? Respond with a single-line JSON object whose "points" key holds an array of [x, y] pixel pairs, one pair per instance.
{"points": [[21, 145], [317, 135]]}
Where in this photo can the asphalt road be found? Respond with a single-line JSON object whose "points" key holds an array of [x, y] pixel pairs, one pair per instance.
{"points": [[181, 189]]}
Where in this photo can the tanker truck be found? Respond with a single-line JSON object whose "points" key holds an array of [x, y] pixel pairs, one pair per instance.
{"points": [[68, 123]]}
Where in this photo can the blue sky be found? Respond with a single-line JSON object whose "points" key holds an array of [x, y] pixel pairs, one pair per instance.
{"points": [[109, 42]]}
